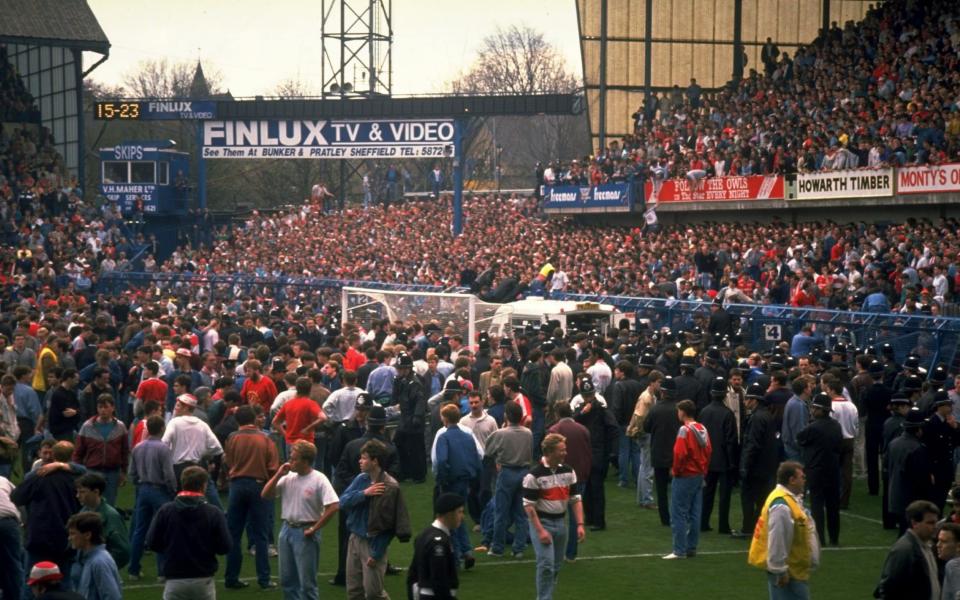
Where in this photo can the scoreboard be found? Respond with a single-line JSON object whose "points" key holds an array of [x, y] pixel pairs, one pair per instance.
{"points": [[154, 110]]}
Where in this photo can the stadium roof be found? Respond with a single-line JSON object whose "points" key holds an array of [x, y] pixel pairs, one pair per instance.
{"points": [[68, 23]]}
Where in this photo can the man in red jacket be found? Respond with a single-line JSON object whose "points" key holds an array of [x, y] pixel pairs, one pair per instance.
{"points": [[103, 446], [691, 457]]}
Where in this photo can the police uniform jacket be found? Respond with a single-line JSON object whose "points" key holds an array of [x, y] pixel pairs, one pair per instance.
{"points": [[908, 464], [410, 395], [875, 400], [434, 566], [688, 388], [721, 425], [760, 454], [662, 424], [940, 439], [820, 443], [892, 428]]}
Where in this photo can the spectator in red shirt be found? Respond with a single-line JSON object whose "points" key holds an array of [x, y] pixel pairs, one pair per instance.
{"points": [[140, 433], [353, 359], [257, 389], [299, 416], [152, 387]]}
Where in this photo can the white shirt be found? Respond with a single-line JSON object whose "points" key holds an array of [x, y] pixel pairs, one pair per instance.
{"points": [[341, 404], [7, 508], [481, 427], [303, 497], [281, 399], [845, 413], [190, 440], [601, 375]]}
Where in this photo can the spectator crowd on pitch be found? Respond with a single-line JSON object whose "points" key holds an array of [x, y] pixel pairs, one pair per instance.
{"points": [[184, 395]]}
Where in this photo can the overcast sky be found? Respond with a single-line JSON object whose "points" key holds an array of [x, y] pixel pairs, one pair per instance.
{"points": [[257, 44]]}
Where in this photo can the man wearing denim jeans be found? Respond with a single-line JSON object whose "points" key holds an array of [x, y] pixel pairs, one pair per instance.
{"points": [[457, 464], [548, 489], [691, 457], [151, 471], [307, 503], [580, 458], [623, 395], [253, 459], [511, 448], [644, 403]]}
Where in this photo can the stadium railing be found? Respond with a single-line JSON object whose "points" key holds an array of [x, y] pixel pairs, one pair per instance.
{"points": [[932, 339]]}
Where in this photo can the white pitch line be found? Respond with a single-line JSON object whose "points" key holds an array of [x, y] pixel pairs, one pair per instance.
{"points": [[861, 517], [509, 562]]}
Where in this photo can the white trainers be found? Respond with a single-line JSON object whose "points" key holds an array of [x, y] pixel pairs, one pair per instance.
{"points": [[673, 556]]}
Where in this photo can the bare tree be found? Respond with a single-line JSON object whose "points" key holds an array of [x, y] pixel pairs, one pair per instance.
{"points": [[294, 88], [163, 79], [516, 61]]}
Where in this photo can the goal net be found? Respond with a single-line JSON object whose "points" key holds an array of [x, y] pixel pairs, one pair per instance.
{"points": [[464, 313]]}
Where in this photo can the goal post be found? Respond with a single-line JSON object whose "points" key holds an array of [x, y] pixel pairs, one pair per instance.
{"points": [[464, 313]]}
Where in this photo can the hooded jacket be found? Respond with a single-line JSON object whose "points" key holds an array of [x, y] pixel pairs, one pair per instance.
{"points": [[691, 451]]}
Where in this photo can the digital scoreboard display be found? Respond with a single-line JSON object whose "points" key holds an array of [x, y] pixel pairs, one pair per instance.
{"points": [[154, 110]]}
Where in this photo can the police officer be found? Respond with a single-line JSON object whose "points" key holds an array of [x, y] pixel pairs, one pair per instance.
{"points": [[433, 570], [875, 402], [892, 427], [908, 462], [409, 395], [688, 386], [721, 425], [759, 457], [820, 443], [662, 424], [941, 435], [705, 374]]}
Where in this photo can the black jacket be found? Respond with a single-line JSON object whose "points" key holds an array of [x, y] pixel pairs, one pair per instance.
{"points": [[904, 575], [875, 400], [622, 396], [50, 501], [191, 533], [434, 565], [892, 428], [662, 424], [604, 433], [908, 464], [940, 439], [349, 465], [534, 381], [410, 396], [688, 388], [820, 443], [721, 424], [760, 455]]}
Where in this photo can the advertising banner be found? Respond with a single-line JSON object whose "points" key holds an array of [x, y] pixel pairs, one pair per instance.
{"points": [[862, 183], [305, 138], [929, 179], [716, 189], [608, 197], [125, 194]]}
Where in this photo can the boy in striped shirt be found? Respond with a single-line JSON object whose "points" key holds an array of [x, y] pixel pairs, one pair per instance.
{"points": [[547, 490]]}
